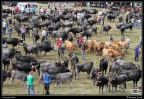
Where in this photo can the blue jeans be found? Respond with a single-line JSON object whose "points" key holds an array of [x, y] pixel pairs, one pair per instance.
{"points": [[82, 53], [4, 30], [136, 56], [10, 33], [82, 20], [32, 89]]}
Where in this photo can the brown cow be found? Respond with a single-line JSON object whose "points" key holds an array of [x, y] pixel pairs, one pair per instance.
{"points": [[106, 54], [124, 45], [88, 45], [115, 53], [69, 46]]}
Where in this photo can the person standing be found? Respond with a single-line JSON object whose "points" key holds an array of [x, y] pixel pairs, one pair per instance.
{"points": [[30, 83], [80, 41], [4, 25], [23, 32], [46, 79], [78, 16], [84, 39], [43, 35], [82, 51], [110, 38], [10, 31], [59, 43], [82, 17], [136, 51], [128, 40]]}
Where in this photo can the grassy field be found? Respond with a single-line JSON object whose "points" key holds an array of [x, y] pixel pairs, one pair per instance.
{"points": [[84, 85]]}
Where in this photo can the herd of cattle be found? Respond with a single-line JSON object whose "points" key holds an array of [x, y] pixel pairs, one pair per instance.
{"points": [[22, 64]]}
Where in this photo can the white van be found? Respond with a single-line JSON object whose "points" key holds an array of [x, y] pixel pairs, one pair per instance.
{"points": [[23, 5]]}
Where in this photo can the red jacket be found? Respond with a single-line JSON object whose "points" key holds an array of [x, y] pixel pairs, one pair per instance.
{"points": [[59, 43], [80, 40], [16, 9]]}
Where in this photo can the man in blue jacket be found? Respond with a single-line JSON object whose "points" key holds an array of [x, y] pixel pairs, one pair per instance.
{"points": [[136, 51], [46, 80]]}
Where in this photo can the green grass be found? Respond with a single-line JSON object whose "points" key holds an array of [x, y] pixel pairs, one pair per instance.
{"points": [[84, 85]]}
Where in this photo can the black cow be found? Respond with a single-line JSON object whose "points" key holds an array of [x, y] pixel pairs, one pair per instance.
{"points": [[95, 73], [118, 80], [18, 75], [22, 66], [114, 68], [21, 58], [8, 11], [5, 74], [119, 24], [91, 22], [56, 27], [4, 15], [56, 19], [64, 64], [44, 17], [64, 17], [44, 24], [35, 36], [111, 17], [103, 65], [50, 64], [125, 64], [6, 61], [87, 33], [45, 46], [74, 59], [76, 30], [10, 52], [122, 28], [67, 24], [83, 67], [129, 26], [22, 18], [101, 81], [120, 19], [105, 28], [30, 49], [87, 16], [60, 77], [132, 75], [14, 41]]}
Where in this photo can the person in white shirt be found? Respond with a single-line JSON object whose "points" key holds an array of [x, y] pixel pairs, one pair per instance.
{"points": [[78, 16], [4, 26], [43, 35], [128, 41], [84, 39]]}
